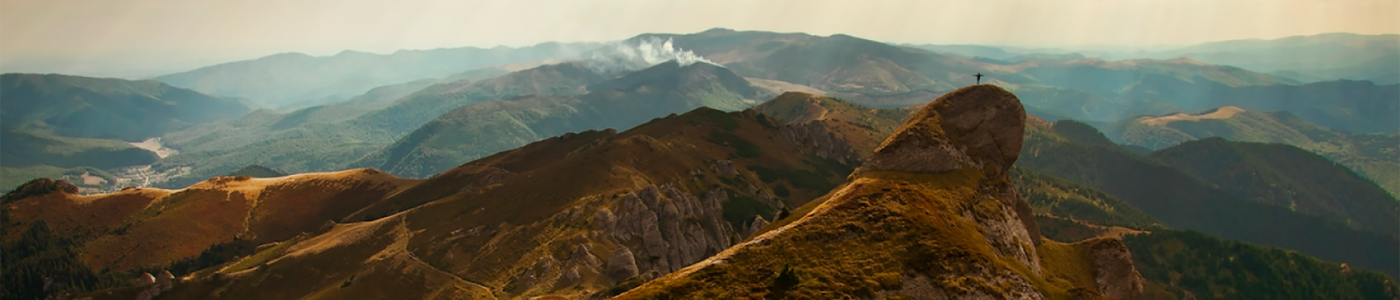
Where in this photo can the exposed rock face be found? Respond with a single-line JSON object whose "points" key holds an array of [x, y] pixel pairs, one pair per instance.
{"points": [[39, 187], [675, 227], [816, 136], [621, 265], [758, 223], [723, 167], [968, 127], [1115, 274]]}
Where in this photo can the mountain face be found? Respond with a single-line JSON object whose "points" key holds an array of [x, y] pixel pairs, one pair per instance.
{"points": [[333, 136], [1287, 176], [24, 149], [572, 215], [477, 130], [299, 80], [105, 240], [927, 226], [107, 108], [1371, 155], [1076, 152]]}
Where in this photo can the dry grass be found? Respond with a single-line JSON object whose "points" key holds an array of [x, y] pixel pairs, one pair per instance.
{"points": [[1224, 112]]}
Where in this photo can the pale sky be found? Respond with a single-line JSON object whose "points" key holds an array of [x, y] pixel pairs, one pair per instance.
{"points": [[152, 37]]}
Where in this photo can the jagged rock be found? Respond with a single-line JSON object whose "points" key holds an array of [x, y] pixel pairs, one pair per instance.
{"points": [[604, 219], [1115, 274], [758, 223], [327, 225], [581, 256], [816, 136], [976, 126], [571, 275], [39, 187], [621, 265], [675, 227], [724, 168], [145, 280]]}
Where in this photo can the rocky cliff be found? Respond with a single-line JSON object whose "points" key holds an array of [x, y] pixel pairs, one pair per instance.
{"points": [[931, 215]]}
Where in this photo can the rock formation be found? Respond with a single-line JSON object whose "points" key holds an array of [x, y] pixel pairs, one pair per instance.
{"points": [[675, 227], [621, 265], [931, 215], [1114, 271], [969, 127]]}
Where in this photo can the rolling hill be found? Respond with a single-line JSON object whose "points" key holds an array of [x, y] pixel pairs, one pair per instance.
{"points": [[108, 108], [1075, 151], [1376, 156], [478, 130], [660, 196], [1287, 176], [329, 137], [292, 80], [100, 241]]}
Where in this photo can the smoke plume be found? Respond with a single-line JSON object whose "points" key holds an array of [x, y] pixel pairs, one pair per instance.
{"points": [[626, 57]]}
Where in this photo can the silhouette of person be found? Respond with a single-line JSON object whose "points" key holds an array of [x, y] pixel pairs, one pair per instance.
{"points": [[979, 77]]}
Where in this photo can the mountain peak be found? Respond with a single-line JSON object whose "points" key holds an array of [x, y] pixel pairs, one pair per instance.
{"points": [[979, 125]]}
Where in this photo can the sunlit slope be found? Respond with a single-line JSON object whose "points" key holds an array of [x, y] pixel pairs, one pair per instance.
{"points": [[137, 228], [918, 225], [572, 215], [1376, 156]]}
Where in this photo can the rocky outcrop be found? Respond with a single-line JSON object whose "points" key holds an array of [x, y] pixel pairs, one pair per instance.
{"points": [[969, 127], [723, 168], [676, 228], [1114, 271], [816, 136], [621, 265], [753, 227], [160, 283], [39, 187]]}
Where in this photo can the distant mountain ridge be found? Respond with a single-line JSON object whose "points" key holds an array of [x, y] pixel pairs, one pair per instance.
{"points": [[130, 110], [300, 80], [477, 130]]}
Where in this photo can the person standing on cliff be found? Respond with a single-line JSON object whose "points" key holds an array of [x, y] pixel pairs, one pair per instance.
{"points": [[979, 77]]}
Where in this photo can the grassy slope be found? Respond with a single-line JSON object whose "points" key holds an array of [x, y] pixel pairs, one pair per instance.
{"points": [[676, 150], [140, 229], [1177, 263], [871, 238], [1377, 156], [318, 138], [478, 130], [1183, 201], [1286, 176], [104, 107]]}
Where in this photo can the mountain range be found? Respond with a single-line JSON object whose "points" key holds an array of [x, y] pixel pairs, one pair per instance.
{"points": [[719, 164], [294, 80]]}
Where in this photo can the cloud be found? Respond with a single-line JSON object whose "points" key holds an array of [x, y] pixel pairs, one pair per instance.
{"points": [[625, 57]]}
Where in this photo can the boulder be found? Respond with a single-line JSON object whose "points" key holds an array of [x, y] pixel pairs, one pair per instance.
{"points": [[1114, 271], [976, 126], [145, 280], [621, 265]]}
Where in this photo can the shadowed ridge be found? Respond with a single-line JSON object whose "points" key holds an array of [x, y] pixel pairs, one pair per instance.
{"points": [[975, 126]]}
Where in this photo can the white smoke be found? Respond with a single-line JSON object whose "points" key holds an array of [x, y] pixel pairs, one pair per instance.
{"points": [[626, 57]]}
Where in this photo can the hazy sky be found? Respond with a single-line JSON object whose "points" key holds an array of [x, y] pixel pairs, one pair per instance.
{"points": [[150, 37]]}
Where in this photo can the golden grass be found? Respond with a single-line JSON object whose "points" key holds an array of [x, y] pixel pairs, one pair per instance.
{"points": [[1224, 112]]}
